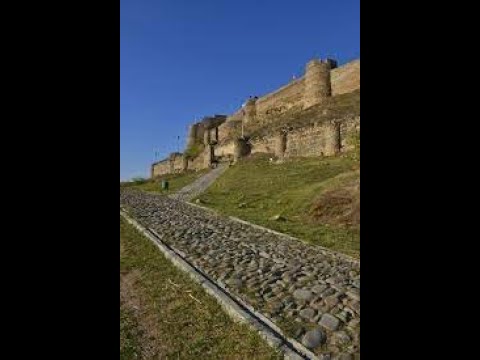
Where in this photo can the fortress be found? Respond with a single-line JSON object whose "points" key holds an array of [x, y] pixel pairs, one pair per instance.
{"points": [[315, 115]]}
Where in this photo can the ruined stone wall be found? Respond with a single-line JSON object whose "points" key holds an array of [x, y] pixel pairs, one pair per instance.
{"points": [[308, 141], [197, 163], [314, 140], [178, 164], [263, 145], [210, 135], [299, 93], [322, 139], [229, 130], [344, 79], [175, 163], [318, 139], [224, 150], [349, 127], [161, 168]]}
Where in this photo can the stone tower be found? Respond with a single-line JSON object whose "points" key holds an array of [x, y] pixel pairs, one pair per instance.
{"points": [[317, 82]]}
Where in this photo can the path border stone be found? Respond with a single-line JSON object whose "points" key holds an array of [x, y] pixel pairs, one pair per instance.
{"points": [[235, 307]]}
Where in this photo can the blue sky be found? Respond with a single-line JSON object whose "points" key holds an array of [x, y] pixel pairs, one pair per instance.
{"points": [[181, 60]]}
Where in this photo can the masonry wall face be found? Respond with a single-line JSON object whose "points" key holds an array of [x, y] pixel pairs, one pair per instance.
{"points": [[309, 141], [161, 168], [264, 145], [197, 163], [225, 150], [349, 128], [168, 166], [178, 164], [346, 78], [322, 139], [314, 140], [229, 130], [281, 100]]}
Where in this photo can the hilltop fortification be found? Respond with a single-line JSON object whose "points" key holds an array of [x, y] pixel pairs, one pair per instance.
{"points": [[314, 115]]}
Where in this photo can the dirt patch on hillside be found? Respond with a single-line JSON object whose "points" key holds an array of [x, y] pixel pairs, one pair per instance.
{"points": [[133, 300], [339, 205]]}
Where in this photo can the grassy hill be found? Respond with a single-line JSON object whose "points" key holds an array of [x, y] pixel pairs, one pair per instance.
{"points": [[175, 182], [314, 199]]}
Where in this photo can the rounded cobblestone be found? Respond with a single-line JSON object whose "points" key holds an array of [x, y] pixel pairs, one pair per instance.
{"points": [[273, 272]]}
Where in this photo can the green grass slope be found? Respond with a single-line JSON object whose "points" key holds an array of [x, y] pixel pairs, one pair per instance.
{"points": [[175, 182], [317, 199]]}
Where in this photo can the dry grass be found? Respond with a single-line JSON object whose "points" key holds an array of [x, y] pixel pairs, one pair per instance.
{"points": [[339, 205]]}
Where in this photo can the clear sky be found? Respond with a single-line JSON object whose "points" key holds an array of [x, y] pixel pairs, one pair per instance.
{"points": [[181, 60]]}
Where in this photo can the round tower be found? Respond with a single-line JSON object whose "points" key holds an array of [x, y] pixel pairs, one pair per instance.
{"points": [[317, 82], [249, 110]]}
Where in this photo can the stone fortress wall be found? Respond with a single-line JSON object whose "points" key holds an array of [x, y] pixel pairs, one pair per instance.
{"points": [[175, 163], [219, 135], [314, 140], [342, 80], [346, 78]]}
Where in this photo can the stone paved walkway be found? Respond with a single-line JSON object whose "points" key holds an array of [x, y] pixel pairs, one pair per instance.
{"points": [[302, 287], [194, 189]]}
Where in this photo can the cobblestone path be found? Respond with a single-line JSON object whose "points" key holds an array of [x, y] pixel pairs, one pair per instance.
{"points": [[310, 292], [194, 189]]}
